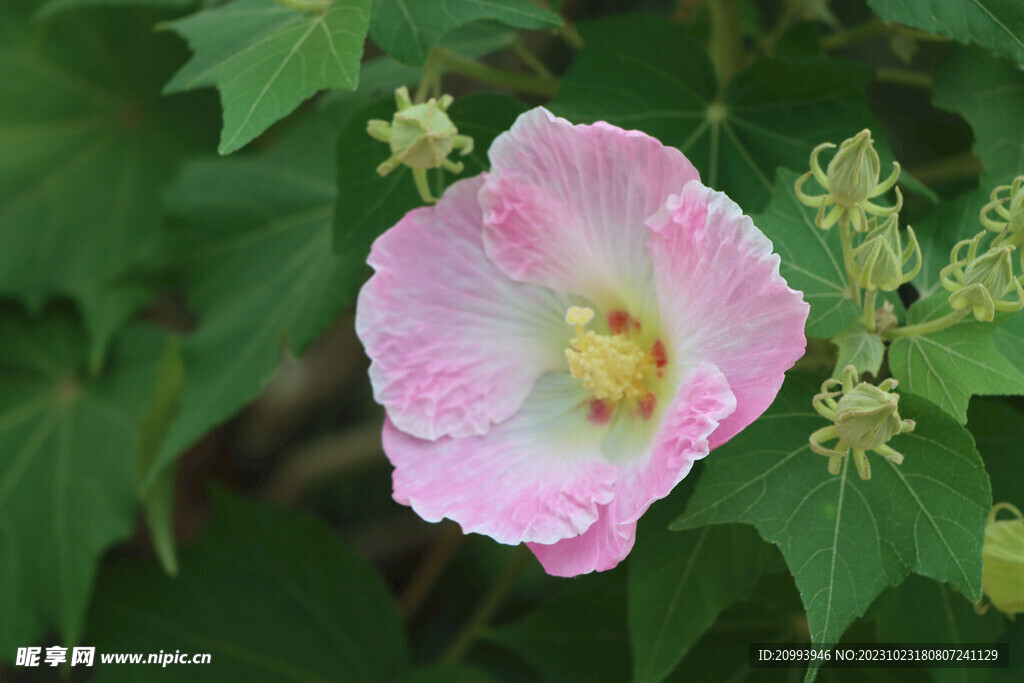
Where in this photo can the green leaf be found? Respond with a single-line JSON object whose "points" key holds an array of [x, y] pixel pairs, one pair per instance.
{"points": [[989, 93], [812, 259], [924, 611], [996, 25], [379, 77], [439, 673], [643, 72], [253, 251], [862, 349], [800, 40], [266, 59], [67, 468], [998, 430], [1013, 635], [255, 256], [768, 616], [1009, 340], [949, 366], [158, 499], [407, 29], [679, 582], [86, 149], [911, 183], [478, 39], [578, 635], [271, 595], [54, 6], [369, 204], [845, 539]]}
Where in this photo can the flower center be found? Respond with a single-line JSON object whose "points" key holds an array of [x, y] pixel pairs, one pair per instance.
{"points": [[613, 366]]}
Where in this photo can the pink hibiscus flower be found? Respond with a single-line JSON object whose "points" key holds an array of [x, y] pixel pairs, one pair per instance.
{"points": [[557, 341]]}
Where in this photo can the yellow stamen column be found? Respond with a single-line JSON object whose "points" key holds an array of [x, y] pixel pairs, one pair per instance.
{"points": [[613, 366]]}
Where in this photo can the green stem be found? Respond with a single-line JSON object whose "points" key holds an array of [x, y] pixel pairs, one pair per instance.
{"points": [[430, 570], [322, 460], [487, 608], [854, 34], [871, 29], [951, 318], [869, 309], [917, 34], [431, 79], [846, 238], [531, 60], [513, 80], [787, 15], [726, 42], [306, 5], [419, 176], [571, 36], [903, 77]]}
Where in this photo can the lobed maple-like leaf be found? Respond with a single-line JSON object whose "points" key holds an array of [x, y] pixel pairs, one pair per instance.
{"points": [[266, 59]]}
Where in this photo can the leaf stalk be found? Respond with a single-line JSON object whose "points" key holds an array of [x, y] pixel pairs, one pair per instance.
{"points": [[513, 80], [306, 5], [486, 609], [948, 320]]}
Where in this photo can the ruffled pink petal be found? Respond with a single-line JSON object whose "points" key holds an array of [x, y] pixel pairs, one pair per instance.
{"points": [[702, 402], [564, 206], [456, 345], [723, 301], [539, 476]]}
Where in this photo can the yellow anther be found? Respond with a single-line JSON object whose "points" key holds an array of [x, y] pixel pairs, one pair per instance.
{"points": [[613, 366], [578, 317]]}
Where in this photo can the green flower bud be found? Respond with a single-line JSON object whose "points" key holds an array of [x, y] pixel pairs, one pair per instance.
{"points": [[851, 181], [1009, 214], [854, 170], [879, 260], [993, 270], [979, 283], [421, 136], [1002, 573], [867, 417]]}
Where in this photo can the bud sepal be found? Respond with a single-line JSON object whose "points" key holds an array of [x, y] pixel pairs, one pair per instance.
{"points": [[980, 283], [878, 262], [864, 418]]}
